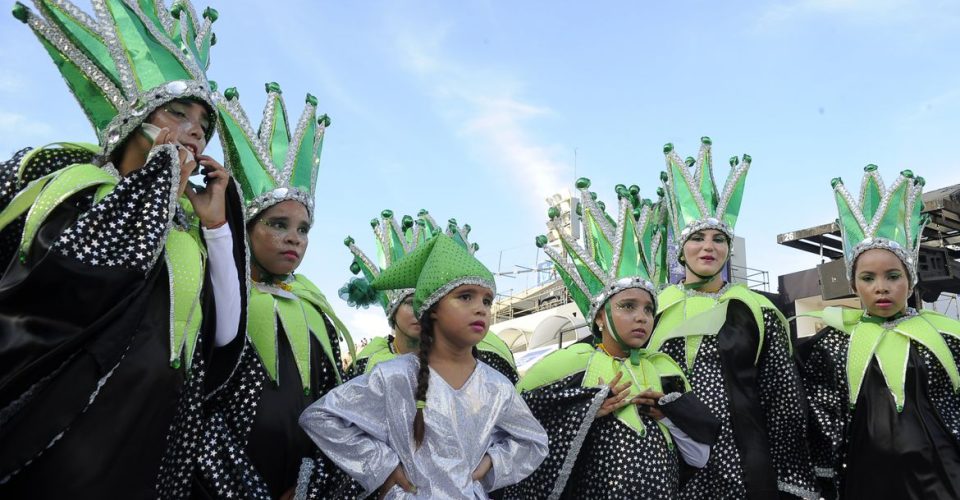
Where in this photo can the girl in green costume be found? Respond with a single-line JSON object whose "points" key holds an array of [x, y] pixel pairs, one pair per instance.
{"points": [[602, 402], [394, 240], [119, 277], [883, 381], [732, 343], [256, 449]]}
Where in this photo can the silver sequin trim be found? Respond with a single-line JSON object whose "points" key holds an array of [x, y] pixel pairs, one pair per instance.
{"points": [[449, 287], [577, 443]]}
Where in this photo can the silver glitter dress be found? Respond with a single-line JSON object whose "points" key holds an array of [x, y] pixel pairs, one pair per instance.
{"points": [[366, 427]]}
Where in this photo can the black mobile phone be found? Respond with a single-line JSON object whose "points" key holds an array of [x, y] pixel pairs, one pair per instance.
{"points": [[672, 383]]}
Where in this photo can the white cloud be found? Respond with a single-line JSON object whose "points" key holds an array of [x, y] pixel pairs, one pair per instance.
{"points": [[483, 104]]}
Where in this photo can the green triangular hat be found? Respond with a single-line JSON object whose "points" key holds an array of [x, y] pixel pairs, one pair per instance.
{"points": [[434, 269]]}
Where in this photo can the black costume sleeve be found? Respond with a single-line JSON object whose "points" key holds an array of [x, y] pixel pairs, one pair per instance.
{"points": [[566, 411], [499, 364], [783, 402], [356, 368], [825, 382], [693, 417]]}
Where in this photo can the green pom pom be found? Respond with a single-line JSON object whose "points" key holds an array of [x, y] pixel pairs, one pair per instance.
{"points": [[553, 212], [213, 86], [667, 148], [583, 183], [358, 293], [593, 195], [386, 214], [870, 168], [621, 191], [348, 241], [324, 120], [663, 176], [422, 212], [355, 268], [541, 241], [634, 189], [706, 140], [580, 209], [175, 364], [835, 182], [920, 181], [406, 222], [907, 173], [374, 223], [311, 100], [734, 161], [689, 161], [636, 213], [602, 205], [660, 192], [273, 87], [747, 158], [475, 247], [466, 229], [213, 39], [231, 93], [211, 14], [452, 222], [21, 12], [176, 10]]}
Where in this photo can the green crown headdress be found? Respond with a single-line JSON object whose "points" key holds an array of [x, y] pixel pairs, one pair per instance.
{"points": [[887, 218], [693, 201], [272, 164], [130, 59], [616, 255], [394, 240]]}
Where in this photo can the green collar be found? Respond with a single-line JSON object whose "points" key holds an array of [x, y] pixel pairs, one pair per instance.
{"points": [[889, 342]]}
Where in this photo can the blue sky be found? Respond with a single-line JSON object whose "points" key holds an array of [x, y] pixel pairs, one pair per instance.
{"points": [[474, 109]]}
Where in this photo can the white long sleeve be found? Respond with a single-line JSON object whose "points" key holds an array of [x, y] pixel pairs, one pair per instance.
{"points": [[694, 453], [226, 283]]}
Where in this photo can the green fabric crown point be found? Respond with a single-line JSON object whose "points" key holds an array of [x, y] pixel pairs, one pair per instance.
{"points": [[667, 149], [734, 161], [553, 212], [311, 100], [583, 183], [211, 14], [348, 241], [231, 94], [870, 168], [836, 181], [273, 87], [324, 120], [21, 12], [355, 268], [541, 241], [706, 140]]}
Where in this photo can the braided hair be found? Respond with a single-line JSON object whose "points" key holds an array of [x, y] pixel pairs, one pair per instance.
{"points": [[423, 374]]}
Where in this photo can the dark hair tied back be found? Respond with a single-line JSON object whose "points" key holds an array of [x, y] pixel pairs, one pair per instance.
{"points": [[423, 374]]}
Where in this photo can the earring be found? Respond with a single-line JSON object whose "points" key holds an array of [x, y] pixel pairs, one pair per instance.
{"points": [[600, 327]]}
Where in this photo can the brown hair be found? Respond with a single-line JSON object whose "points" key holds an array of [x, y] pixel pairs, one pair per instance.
{"points": [[423, 374]]}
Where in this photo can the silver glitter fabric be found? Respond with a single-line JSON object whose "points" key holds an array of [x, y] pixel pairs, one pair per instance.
{"points": [[366, 427], [825, 380], [781, 398], [595, 457]]}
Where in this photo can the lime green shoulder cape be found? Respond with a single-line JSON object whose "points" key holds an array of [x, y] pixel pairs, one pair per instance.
{"points": [[599, 369], [376, 351], [889, 343], [300, 307], [693, 315]]}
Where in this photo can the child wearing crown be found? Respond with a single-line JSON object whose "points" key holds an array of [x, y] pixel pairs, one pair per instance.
{"points": [[394, 240], [120, 277], [613, 433], [733, 344], [883, 381], [439, 423]]}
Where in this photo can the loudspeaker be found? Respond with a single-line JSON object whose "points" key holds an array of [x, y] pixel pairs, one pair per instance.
{"points": [[833, 280]]}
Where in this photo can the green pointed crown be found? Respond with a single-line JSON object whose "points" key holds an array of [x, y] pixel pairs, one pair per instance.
{"points": [[693, 201], [129, 59], [628, 252], [888, 218], [394, 240], [273, 164], [434, 269]]}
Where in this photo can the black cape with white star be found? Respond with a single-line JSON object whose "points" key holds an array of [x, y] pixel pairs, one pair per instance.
{"points": [[90, 406]]}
